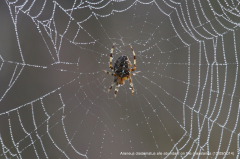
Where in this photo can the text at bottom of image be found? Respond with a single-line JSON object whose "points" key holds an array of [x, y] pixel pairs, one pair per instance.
{"points": [[177, 153]]}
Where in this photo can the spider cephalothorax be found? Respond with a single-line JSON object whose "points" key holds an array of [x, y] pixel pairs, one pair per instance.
{"points": [[122, 70]]}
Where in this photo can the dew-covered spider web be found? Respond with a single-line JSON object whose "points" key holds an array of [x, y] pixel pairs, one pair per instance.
{"points": [[53, 100]]}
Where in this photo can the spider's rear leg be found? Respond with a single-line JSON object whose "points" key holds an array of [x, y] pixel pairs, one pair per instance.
{"points": [[110, 63], [134, 56], [131, 84]]}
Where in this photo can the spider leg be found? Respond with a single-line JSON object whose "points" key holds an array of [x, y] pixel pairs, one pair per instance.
{"points": [[111, 86], [109, 73], [131, 84], [116, 90], [134, 56], [110, 63], [135, 73]]}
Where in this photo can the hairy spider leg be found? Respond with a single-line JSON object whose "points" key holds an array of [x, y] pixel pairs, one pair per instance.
{"points": [[134, 56], [110, 63], [111, 85], [131, 84], [135, 73], [109, 73], [116, 90]]}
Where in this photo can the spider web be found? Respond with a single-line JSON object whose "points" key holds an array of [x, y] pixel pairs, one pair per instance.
{"points": [[53, 101]]}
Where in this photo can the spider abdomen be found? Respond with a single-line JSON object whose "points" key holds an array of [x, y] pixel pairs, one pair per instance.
{"points": [[122, 66]]}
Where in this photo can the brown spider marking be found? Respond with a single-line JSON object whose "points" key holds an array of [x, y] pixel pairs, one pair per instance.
{"points": [[122, 70]]}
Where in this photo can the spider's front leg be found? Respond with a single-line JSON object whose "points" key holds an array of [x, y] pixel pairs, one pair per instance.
{"points": [[111, 85], [131, 84], [116, 90]]}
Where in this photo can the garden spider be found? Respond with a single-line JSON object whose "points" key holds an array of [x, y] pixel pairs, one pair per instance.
{"points": [[122, 70]]}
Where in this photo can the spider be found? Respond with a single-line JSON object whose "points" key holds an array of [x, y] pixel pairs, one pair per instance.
{"points": [[122, 70]]}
